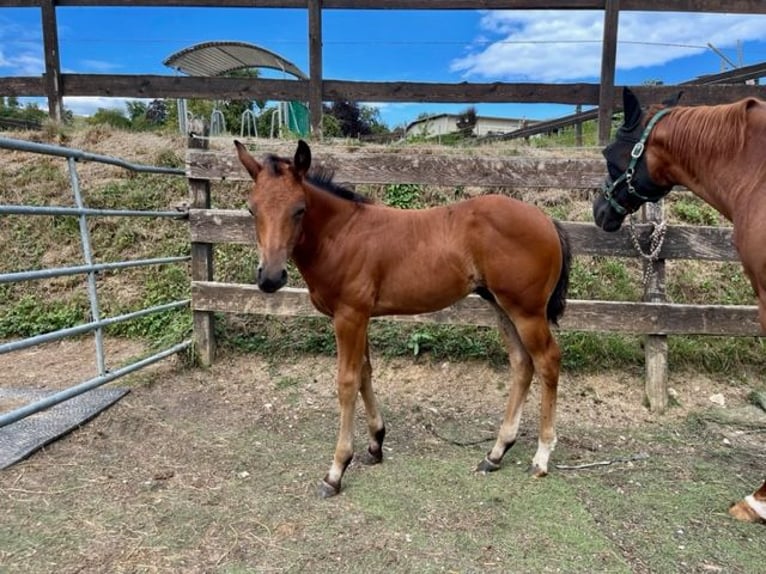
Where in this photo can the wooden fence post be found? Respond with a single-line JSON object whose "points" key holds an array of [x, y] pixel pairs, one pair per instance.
{"points": [[315, 68], [655, 346], [608, 60], [202, 264], [52, 61]]}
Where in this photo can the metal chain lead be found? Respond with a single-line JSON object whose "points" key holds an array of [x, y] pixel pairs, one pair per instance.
{"points": [[656, 240]]}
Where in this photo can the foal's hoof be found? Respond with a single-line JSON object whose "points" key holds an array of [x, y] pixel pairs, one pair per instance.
{"points": [[327, 490], [536, 472], [741, 511], [487, 465], [369, 458]]}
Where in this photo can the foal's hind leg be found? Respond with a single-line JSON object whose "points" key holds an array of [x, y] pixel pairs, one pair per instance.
{"points": [[536, 335], [375, 425], [522, 371], [533, 334]]}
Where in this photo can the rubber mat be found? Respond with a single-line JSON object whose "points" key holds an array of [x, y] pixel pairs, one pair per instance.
{"points": [[20, 439]]}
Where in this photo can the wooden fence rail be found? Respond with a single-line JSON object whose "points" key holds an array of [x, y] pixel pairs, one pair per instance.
{"points": [[55, 84], [359, 165]]}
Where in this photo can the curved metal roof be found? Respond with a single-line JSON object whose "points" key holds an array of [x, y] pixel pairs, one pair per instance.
{"points": [[219, 58]]}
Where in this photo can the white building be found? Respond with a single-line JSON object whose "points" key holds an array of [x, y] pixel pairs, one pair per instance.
{"points": [[442, 124]]}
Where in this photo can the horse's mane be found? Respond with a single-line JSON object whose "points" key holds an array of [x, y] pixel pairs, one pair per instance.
{"points": [[321, 177], [707, 131]]}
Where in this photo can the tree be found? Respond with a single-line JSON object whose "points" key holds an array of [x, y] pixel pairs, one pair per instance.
{"points": [[111, 117], [466, 121], [136, 110], [353, 120], [156, 113]]}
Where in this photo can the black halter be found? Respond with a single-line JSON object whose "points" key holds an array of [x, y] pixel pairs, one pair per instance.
{"points": [[628, 175]]}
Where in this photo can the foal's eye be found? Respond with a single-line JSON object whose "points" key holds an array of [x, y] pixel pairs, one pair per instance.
{"points": [[299, 212]]}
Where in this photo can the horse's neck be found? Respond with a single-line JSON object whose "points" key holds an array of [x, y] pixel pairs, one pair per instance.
{"points": [[325, 217], [719, 177]]}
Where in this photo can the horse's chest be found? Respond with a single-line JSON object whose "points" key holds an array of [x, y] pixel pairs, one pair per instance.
{"points": [[322, 303]]}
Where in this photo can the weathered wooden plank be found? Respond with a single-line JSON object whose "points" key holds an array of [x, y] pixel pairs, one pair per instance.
{"points": [[361, 165], [21, 86], [681, 242], [154, 86], [730, 6], [495, 92], [598, 316]]}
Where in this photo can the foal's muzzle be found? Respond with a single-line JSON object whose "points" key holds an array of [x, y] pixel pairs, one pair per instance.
{"points": [[271, 281]]}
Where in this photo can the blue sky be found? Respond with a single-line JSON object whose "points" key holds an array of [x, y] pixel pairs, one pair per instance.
{"points": [[392, 45]]}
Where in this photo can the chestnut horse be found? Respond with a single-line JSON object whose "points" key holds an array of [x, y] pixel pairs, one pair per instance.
{"points": [[361, 260], [718, 152]]}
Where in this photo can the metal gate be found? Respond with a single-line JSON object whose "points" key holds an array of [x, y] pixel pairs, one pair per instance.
{"points": [[97, 324]]}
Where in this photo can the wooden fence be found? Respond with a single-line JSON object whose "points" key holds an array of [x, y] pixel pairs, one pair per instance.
{"points": [[654, 318], [55, 85]]}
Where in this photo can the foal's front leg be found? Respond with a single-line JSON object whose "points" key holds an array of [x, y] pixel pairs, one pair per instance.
{"points": [[351, 340]]}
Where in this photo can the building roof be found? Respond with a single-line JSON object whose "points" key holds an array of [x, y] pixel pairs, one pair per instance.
{"points": [[451, 115], [219, 58]]}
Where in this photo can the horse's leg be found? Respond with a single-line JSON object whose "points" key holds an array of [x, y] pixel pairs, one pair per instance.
{"points": [[375, 425], [522, 371], [351, 339], [536, 336], [752, 508]]}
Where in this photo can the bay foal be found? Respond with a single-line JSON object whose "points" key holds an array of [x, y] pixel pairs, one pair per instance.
{"points": [[362, 260]]}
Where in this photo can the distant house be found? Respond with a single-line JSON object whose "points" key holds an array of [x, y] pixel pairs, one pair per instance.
{"points": [[442, 124]]}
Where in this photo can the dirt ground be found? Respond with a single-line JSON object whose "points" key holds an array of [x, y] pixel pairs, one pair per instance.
{"points": [[215, 471]]}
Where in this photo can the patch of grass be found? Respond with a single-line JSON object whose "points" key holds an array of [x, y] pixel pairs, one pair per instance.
{"points": [[716, 354], [403, 195], [138, 192], [604, 278], [565, 137], [694, 211], [165, 284], [34, 315], [586, 352]]}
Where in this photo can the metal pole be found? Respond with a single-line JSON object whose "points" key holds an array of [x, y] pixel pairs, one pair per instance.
{"points": [[88, 257]]}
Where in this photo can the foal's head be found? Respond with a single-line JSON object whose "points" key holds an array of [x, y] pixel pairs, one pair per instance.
{"points": [[277, 202]]}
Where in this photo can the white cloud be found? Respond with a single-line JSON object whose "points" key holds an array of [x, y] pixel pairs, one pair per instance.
{"points": [[551, 45], [99, 66], [23, 63]]}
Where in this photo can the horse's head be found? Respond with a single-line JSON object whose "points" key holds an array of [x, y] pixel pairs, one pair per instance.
{"points": [[628, 184], [277, 202]]}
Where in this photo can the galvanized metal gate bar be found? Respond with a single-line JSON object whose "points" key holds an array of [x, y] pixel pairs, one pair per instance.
{"points": [[97, 324]]}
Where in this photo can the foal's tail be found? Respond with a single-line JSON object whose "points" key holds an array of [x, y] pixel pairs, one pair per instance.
{"points": [[558, 300]]}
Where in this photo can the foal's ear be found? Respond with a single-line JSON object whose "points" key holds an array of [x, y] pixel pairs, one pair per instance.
{"points": [[672, 100], [631, 107], [302, 159], [251, 165]]}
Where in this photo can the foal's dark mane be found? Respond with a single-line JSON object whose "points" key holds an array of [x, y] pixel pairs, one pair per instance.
{"points": [[321, 177], [706, 132]]}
